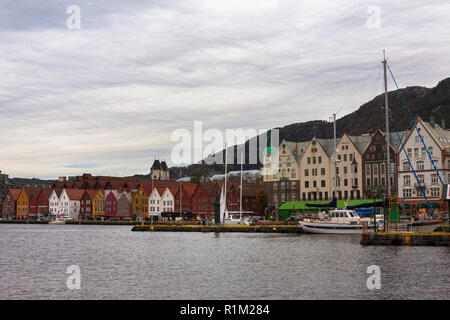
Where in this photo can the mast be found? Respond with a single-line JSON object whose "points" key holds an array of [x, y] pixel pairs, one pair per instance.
{"points": [[240, 199], [335, 156], [388, 173], [225, 185]]}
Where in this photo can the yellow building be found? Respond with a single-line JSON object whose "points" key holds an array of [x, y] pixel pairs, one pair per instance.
{"points": [[140, 203], [98, 202], [22, 207]]}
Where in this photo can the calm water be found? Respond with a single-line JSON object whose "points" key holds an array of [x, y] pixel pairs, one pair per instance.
{"points": [[116, 263]]}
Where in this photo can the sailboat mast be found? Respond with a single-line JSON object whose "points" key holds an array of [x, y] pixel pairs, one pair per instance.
{"points": [[240, 199], [335, 156], [388, 169], [225, 184]]}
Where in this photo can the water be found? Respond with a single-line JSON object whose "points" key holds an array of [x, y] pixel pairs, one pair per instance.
{"points": [[116, 263]]}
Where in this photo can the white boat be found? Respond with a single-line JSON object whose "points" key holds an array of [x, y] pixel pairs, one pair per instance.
{"points": [[337, 222], [346, 221], [57, 220]]}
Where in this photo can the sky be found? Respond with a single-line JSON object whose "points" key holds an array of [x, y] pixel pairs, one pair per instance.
{"points": [[101, 88]]}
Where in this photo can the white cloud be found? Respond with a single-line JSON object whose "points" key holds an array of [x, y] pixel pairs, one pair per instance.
{"points": [[112, 92]]}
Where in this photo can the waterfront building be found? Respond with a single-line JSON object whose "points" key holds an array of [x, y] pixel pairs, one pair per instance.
{"points": [[375, 169], [316, 170], [42, 201], [283, 184], [437, 141], [10, 203], [33, 194], [154, 201], [200, 201], [124, 205], [168, 199], [54, 204], [87, 204], [349, 152], [111, 203], [185, 194], [140, 202], [98, 204], [22, 205]]}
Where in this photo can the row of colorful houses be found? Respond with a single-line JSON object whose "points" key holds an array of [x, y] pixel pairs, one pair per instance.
{"points": [[146, 201]]}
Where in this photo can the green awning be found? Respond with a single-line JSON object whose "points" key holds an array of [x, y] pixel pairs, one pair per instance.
{"points": [[406, 206], [435, 205], [421, 205]]}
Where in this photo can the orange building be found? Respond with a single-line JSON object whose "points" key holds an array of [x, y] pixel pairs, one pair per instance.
{"points": [[140, 203], [22, 207]]}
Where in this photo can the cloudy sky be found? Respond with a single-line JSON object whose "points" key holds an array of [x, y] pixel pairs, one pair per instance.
{"points": [[106, 97]]}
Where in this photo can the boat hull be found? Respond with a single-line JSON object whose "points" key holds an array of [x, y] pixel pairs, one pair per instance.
{"points": [[331, 228]]}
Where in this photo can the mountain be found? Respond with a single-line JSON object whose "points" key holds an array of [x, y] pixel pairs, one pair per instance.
{"points": [[423, 102]]}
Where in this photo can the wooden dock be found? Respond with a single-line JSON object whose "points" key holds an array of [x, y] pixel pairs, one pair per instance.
{"points": [[406, 239], [276, 228]]}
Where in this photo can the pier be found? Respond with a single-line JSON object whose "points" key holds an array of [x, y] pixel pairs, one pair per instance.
{"points": [[406, 239], [275, 228]]}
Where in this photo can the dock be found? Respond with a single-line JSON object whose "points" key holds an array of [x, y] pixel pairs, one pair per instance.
{"points": [[406, 239], [276, 228]]}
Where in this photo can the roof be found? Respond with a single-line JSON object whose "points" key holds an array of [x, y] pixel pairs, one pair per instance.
{"points": [[15, 193], [441, 136], [32, 192], [75, 194], [327, 145], [360, 142], [172, 190]]}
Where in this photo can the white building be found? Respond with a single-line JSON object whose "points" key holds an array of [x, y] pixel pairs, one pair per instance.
{"points": [[437, 141], [155, 201], [168, 200], [53, 202]]}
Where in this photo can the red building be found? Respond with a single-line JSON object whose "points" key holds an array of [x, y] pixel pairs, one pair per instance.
{"points": [[10, 203], [111, 202], [42, 201], [33, 194], [200, 200], [86, 204]]}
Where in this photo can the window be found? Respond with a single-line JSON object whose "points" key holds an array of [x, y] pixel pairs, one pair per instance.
{"points": [[382, 168], [345, 182], [420, 165], [314, 184], [322, 183], [322, 171], [306, 184], [293, 173], [345, 157], [435, 192], [406, 193], [345, 170], [350, 157], [421, 178], [434, 178], [319, 159], [309, 160], [375, 168], [275, 186], [406, 180], [405, 166], [288, 162], [306, 172], [314, 172], [368, 182], [416, 152], [383, 181], [355, 168], [314, 160], [375, 182], [368, 169], [416, 139]]}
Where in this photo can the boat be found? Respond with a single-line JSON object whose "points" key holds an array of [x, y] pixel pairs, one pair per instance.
{"points": [[339, 221], [345, 221], [57, 220]]}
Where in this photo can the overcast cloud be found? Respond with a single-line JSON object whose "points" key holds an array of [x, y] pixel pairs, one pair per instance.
{"points": [[105, 99]]}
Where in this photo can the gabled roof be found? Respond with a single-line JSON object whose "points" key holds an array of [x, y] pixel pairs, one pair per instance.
{"points": [[15, 193], [75, 194], [32, 192], [360, 142], [439, 135], [91, 193], [47, 192], [172, 190]]}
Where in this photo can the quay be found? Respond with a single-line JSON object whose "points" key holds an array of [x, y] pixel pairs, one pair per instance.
{"points": [[267, 228], [406, 239]]}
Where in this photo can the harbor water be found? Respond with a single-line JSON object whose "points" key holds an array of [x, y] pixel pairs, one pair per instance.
{"points": [[116, 263]]}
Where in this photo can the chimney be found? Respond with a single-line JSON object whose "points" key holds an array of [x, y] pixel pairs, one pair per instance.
{"points": [[432, 122], [443, 124]]}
